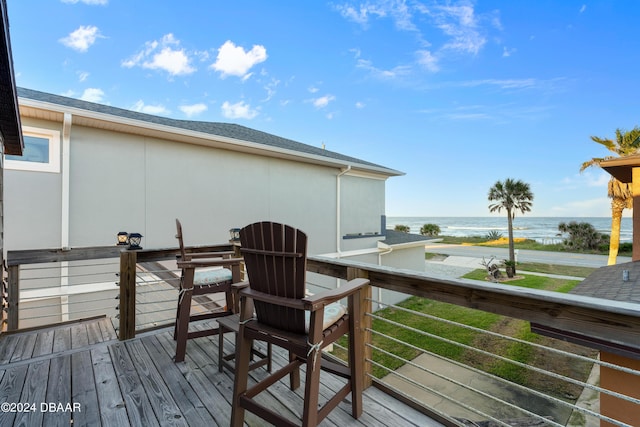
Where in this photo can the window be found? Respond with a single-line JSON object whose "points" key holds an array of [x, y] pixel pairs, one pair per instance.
{"points": [[41, 151]]}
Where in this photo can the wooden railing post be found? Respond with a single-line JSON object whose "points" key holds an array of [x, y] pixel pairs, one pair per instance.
{"points": [[366, 306], [13, 297], [128, 261]]}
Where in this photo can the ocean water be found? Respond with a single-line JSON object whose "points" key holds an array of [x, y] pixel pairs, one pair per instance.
{"points": [[541, 229]]}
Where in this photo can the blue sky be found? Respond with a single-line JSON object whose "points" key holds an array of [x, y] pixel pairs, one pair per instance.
{"points": [[456, 94]]}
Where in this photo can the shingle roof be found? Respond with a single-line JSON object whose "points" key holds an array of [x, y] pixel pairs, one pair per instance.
{"points": [[607, 282], [228, 130]]}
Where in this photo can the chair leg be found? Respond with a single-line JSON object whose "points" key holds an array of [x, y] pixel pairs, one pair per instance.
{"points": [[182, 325], [312, 390], [356, 356], [243, 354], [294, 376]]}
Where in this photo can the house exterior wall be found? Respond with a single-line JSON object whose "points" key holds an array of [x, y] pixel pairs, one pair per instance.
{"points": [[121, 182]]}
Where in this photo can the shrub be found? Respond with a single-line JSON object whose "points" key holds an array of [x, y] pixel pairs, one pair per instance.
{"points": [[493, 235], [430, 230], [582, 235], [403, 228]]}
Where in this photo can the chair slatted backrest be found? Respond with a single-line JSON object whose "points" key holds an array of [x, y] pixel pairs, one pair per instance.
{"points": [[275, 257]]}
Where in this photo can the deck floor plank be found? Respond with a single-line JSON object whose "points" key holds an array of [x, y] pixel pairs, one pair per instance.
{"points": [[62, 340], [137, 402], [191, 406], [33, 393], [24, 347], [8, 347], [58, 392], [79, 335], [44, 343], [113, 411], [160, 397], [136, 382], [84, 390], [10, 391]]}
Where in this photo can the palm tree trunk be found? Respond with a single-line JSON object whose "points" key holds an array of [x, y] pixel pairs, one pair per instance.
{"points": [[617, 206], [512, 252]]}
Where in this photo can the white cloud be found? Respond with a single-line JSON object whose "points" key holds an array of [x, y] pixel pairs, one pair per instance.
{"points": [[141, 107], [90, 2], [427, 60], [82, 38], [162, 55], [270, 88], [583, 8], [361, 15], [193, 110], [239, 110], [589, 178], [600, 206], [92, 95], [323, 101], [460, 24], [82, 75], [360, 105], [395, 72], [503, 83], [233, 60], [464, 30], [506, 52]]}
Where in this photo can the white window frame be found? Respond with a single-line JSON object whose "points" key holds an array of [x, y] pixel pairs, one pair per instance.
{"points": [[53, 165]]}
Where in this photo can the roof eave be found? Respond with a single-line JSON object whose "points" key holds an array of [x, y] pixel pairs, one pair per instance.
{"points": [[621, 167], [10, 128], [94, 119]]}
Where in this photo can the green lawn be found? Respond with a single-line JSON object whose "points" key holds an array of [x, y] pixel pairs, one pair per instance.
{"points": [[423, 333]]}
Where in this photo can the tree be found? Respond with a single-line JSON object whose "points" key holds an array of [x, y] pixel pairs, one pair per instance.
{"points": [[511, 196], [626, 143], [402, 228], [582, 235], [430, 230]]}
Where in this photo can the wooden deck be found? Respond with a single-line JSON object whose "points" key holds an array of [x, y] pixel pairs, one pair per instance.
{"points": [[79, 374]]}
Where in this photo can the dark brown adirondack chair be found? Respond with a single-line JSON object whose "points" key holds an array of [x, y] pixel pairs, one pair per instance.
{"points": [[275, 261], [198, 278]]}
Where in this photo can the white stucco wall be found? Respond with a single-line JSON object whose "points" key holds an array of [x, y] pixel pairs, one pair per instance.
{"points": [[123, 182]]}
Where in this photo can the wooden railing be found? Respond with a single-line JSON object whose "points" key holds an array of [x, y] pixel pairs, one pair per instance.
{"points": [[129, 260], [604, 321]]}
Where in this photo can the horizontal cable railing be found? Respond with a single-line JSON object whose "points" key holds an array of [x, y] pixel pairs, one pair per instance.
{"points": [[526, 400], [56, 292]]}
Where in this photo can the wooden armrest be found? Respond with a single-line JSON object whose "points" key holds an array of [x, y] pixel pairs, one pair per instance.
{"points": [[209, 263], [272, 299], [210, 254], [314, 302], [240, 285]]}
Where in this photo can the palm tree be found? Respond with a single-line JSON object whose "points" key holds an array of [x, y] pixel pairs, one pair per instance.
{"points": [[512, 196], [626, 143]]}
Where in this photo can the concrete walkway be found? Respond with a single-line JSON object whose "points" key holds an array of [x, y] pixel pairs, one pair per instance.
{"points": [[458, 266], [464, 378]]}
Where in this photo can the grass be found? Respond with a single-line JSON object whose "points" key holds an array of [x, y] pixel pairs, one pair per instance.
{"points": [[458, 334], [530, 281]]}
